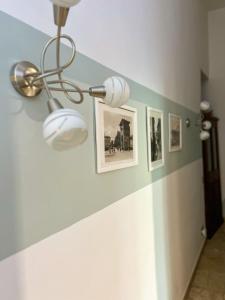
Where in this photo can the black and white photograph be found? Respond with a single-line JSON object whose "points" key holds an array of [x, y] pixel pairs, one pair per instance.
{"points": [[175, 133], [116, 136], [155, 138]]}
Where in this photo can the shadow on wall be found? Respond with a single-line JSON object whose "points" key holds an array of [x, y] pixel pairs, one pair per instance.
{"points": [[10, 287], [12, 203]]}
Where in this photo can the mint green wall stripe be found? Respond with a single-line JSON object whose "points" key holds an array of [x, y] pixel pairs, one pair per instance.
{"points": [[24, 222]]}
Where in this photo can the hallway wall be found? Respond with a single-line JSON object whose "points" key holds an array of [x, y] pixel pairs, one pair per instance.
{"points": [[215, 4], [128, 234], [159, 44], [216, 86], [111, 254]]}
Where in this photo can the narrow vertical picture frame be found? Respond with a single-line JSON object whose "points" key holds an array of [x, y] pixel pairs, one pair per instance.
{"points": [[175, 132], [155, 138], [116, 137]]}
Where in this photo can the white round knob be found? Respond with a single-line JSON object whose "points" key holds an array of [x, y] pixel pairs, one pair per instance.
{"points": [[205, 106], [117, 91], [204, 135], [65, 3], [64, 129], [206, 125]]}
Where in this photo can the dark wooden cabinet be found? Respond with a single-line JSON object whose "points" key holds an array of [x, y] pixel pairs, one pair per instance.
{"points": [[212, 184]]}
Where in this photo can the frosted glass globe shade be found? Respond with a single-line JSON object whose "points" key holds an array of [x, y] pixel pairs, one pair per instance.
{"points": [[65, 3], [204, 135], [205, 106], [206, 125], [117, 91], [64, 129]]}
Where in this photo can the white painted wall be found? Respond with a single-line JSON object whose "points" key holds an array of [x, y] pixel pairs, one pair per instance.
{"points": [[110, 255], [178, 217], [161, 44], [216, 88]]}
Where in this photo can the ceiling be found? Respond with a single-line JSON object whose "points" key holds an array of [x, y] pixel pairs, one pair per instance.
{"points": [[215, 4]]}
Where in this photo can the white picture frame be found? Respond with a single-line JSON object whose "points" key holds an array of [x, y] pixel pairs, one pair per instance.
{"points": [[116, 137], [155, 138], [175, 132]]}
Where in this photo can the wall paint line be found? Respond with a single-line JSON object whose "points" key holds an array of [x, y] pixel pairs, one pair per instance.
{"points": [[35, 204]]}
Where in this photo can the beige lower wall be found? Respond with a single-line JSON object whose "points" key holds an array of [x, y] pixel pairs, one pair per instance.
{"points": [[178, 217], [143, 247]]}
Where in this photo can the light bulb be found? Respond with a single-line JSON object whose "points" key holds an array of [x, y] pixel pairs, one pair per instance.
{"points": [[205, 106], [117, 91], [64, 129], [65, 3], [204, 135], [206, 125]]}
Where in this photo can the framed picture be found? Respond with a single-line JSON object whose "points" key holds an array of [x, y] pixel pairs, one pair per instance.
{"points": [[116, 137], [175, 133], [155, 138]]}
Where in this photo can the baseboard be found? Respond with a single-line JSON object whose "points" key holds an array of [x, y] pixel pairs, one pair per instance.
{"points": [[187, 289]]}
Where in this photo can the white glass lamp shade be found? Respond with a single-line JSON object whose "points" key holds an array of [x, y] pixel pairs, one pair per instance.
{"points": [[117, 91], [206, 125], [64, 129], [65, 3], [205, 106], [204, 135]]}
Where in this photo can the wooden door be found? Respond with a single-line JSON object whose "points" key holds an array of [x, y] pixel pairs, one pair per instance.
{"points": [[213, 197]]}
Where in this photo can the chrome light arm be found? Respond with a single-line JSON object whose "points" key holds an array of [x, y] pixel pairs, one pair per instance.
{"points": [[29, 81], [60, 69]]}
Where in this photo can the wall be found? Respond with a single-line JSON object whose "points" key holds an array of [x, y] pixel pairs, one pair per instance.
{"points": [[166, 38], [215, 4], [122, 235], [216, 88]]}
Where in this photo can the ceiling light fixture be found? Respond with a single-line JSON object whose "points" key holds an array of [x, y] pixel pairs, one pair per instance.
{"points": [[206, 125], [205, 108], [204, 135], [64, 128]]}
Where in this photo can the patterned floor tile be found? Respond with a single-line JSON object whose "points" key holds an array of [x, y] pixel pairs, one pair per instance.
{"points": [[209, 280]]}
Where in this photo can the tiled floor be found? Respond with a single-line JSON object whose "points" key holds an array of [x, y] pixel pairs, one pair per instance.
{"points": [[209, 280]]}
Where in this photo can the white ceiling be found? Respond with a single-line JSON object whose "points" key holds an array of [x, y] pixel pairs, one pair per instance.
{"points": [[215, 4]]}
